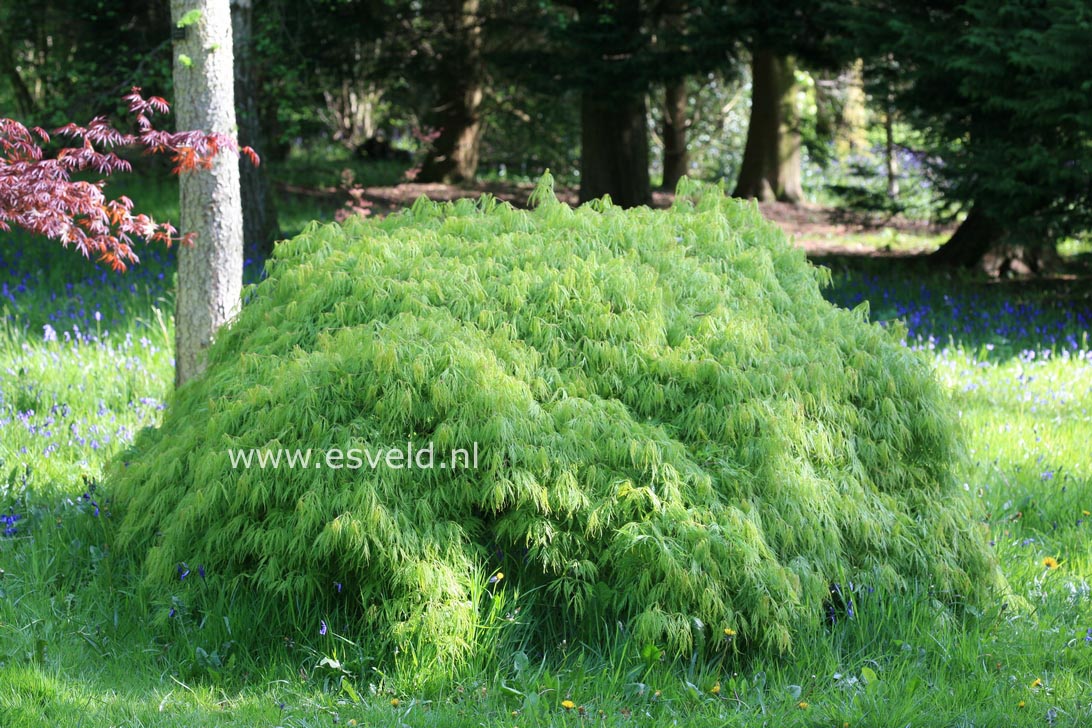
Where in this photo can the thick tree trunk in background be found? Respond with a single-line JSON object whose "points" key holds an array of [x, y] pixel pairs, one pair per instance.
{"points": [[771, 158], [970, 243], [454, 153], [758, 171], [210, 272], [613, 105], [614, 149], [676, 160], [260, 226], [979, 242]]}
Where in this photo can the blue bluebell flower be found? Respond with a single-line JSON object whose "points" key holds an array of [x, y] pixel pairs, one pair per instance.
{"points": [[7, 521]]}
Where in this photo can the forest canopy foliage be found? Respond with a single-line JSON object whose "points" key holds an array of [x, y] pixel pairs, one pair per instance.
{"points": [[675, 430]]}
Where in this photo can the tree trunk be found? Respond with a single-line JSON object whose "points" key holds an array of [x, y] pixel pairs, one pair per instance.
{"points": [[454, 153], [614, 149], [24, 99], [771, 157], [260, 226], [676, 160], [979, 242], [210, 272], [890, 162], [790, 186], [970, 243]]}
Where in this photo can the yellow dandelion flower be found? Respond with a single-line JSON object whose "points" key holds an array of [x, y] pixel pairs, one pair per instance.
{"points": [[395, 702], [496, 577], [1021, 704], [802, 705], [568, 704], [1037, 684], [1050, 562], [729, 632], [715, 690]]}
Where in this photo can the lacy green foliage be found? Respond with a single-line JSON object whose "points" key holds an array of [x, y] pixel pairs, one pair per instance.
{"points": [[675, 429]]}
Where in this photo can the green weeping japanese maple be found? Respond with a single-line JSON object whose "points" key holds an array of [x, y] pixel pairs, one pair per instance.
{"points": [[674, 430]]}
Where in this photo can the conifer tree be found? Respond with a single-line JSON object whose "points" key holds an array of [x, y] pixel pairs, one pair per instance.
{"points": [[1004, 111]]}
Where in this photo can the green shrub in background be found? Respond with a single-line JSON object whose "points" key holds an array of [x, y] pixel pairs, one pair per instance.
{"points": [[675, 431]]}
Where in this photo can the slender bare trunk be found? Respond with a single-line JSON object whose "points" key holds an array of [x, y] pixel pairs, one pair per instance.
{"points": [[891, 163], [676, 159], [210, 272]]}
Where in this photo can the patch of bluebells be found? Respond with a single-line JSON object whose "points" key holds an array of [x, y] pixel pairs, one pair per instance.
{"points": [[66, 309], [89, 297], [88, 500], [58, 428], [939, 313], [50, 289], [8, 521], [973, 334], [51, 424]]}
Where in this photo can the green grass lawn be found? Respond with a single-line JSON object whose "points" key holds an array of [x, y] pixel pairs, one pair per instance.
{"points": [[85, 362]]}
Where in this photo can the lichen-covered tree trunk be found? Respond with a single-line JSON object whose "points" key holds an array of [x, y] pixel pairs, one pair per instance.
{"points": [[455, 152], [614, 149], [260, 226], [210, 272], [676, 159], [771, 158]]}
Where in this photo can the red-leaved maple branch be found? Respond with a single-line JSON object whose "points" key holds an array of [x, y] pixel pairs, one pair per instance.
{"points": [[38, 194]]}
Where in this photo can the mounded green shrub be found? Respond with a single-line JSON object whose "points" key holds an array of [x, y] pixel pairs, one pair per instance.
{"points": [[674, 428]]}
